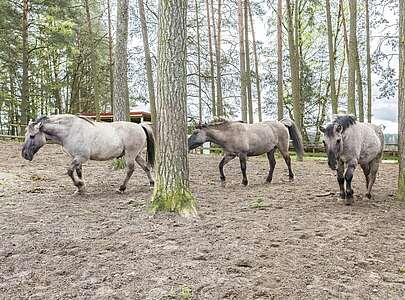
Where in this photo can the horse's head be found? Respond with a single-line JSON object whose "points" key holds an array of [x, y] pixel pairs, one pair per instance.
{"points": [[34, 139], [198, 137], [333, 142]]}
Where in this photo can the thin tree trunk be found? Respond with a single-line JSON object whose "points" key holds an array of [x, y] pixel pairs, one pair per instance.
{"points": [[213, 102], [121, 99], [197, 16], [331, 60], [247, 53], [369, 99], [243, 101], [148, 62], [25, 88], [294, 65], [351, 86], [401, 102], [171, 191], [258, 89], [359, 82], [217, 39], [110, 56], [280, 98], [93, 63]]}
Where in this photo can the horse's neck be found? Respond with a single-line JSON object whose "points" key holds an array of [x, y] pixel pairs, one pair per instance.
{"points": [[217, 136], [55, 132]]}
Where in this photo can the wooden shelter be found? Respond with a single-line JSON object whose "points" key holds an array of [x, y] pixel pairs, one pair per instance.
{"points": [[136, 116]]}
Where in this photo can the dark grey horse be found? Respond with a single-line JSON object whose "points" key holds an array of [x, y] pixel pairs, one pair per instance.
{"points": [[242, 140], [86, 140], [349, 143]]}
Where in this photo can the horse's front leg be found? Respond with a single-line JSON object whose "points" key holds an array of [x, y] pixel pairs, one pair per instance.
{"points": [[226, 159], [130, 166], [242, 159], [348, 177], [341, 178], [76, 165]]}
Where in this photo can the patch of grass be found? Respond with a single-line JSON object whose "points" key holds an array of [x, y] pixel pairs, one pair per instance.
{"points": [[118, 164], [402, 270], [259, 204], [184, 293]]}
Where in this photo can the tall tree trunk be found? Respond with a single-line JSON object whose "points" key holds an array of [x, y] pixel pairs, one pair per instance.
{"points": [[148, 62], [243, 100], [217, 39], [171, 191], [197, 16], [258, 88], [213, 102], [359, 82], [280, 98], [351, 86], [121, 99], [25, 88], [110, 56], [295, 70], [369, 99], [247, 53], [56, 88], [331, 60], [93, 62], [401, 102]]}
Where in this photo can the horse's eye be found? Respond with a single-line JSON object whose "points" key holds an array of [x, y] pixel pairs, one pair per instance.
{"points": [[32, 136], [324, 142], [338, 141]]}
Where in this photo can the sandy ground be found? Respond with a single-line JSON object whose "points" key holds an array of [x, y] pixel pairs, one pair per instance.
{"points": [[283, 240]]}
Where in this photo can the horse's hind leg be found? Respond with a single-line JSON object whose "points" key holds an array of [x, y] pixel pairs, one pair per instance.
{"points": [[272, 162], [366, 171], [130, 170], [372, 176], [76, 165], [284, 152], [226, 159], [144, 165], [348, 177]]}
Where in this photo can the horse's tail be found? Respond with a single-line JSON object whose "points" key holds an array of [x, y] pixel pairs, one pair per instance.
{"points": [[150, 144], [295, 136]]}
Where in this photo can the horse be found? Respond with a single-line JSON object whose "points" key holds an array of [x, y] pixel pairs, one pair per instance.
{"points": [[349, 143], [241, 140], [84, 139]]}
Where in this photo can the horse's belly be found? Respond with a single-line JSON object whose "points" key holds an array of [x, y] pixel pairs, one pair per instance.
{"points": [[105, 149]]}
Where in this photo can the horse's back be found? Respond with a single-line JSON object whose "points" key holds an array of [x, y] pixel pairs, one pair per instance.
{"points": [[264, 136], [372, 142]]}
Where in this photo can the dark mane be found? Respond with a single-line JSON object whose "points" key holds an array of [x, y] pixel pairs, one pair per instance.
{"points": [[39, 119], [345, 121], [86, 119]]}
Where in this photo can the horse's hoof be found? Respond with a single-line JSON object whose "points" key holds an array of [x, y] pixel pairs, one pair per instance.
{"points": [[245, 182], [121, 190], [368, 195], [152, 184], [349, 201], [342, 195], [79, 192], [291, 179]]}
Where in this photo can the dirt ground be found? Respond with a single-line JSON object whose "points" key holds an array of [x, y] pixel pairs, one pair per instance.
{"points": [[277, 241]]}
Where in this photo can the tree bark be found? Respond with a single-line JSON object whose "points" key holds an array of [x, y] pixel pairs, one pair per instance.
{"points": [[280, 98], [171, 191], [25, 88], [331, 60], [351, 99], [295, 70], [213, 102], [197, 16], [217, 39], [247, 53], [369, 99], [93, 62], [359, 82], [401, 102], [121, 98], [258, 88], [243, 101], [110, 56], [148, 62]]}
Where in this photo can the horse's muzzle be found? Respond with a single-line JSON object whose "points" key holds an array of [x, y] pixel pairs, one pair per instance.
{"points": [[27, 154]]}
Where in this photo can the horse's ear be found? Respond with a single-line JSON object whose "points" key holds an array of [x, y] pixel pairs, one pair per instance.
{"points": [[322, 129], [339, 128]]}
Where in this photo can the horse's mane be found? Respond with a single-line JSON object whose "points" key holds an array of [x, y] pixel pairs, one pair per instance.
{"points": [[86, 119], [221, 122], [343, 120]]}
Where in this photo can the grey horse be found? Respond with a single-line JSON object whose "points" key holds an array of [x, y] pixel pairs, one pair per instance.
{"points": [[349, 143], [241, 140], [86, 140]]}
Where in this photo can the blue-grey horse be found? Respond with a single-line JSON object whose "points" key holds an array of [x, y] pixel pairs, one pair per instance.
{"points": [[349, 143], [241, 140], [86, 140]]}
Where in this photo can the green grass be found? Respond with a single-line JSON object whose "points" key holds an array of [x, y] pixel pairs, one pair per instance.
{"points": [[259, 204]]}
